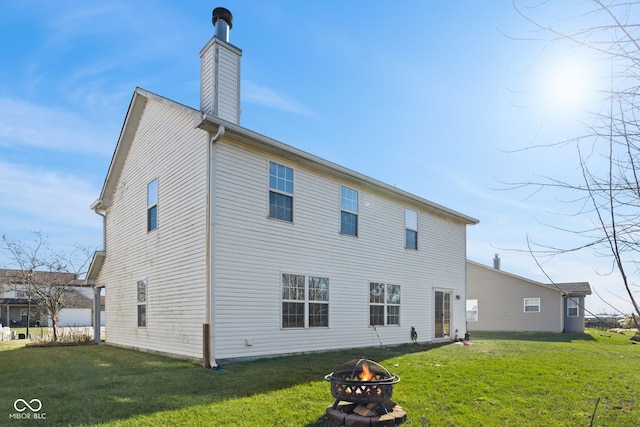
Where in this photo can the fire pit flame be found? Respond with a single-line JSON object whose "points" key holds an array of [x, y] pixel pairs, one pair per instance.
{"points": [[366, 372]]}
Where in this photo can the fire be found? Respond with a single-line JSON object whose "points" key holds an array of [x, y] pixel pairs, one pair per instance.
{"points": [[366, 374]]}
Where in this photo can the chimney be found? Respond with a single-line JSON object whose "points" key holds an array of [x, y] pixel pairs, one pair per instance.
{"points": [[496, 262], [220, 71]]}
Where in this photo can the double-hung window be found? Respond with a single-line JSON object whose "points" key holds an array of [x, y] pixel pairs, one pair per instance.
{"points": [[348, 211], [532, 305], [142, 303], [572, 307], [411, 229], [384, 304], [305, 301], [152, 205], [280, 192]]}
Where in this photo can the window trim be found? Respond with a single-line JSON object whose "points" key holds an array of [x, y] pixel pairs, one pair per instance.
{"points": [[575, 306], [386, 304], [152, 206], [142, 302], [530, 304], [410, 228], [306, 302], [279, 191], [345, 209]]}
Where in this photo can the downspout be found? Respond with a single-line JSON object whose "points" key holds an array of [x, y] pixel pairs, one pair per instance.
{"points": [[209, 328], [96, 208], [96, 291]]}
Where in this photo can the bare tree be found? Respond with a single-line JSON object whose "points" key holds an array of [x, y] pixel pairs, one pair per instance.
{"points": [[606, 189], [49, 276]]}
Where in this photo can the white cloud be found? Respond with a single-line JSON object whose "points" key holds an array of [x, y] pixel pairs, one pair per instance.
{"points": [[41, 199], [33, 125], [252, 92]]}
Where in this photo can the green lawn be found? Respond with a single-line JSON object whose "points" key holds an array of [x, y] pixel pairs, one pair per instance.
{"points": [[500, 380]]}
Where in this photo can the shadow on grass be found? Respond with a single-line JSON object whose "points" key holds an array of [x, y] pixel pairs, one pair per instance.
{"points": [[532, 336], [99, 384]]}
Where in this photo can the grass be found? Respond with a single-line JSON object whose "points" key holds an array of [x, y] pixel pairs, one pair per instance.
{"points": [[500, 380]]}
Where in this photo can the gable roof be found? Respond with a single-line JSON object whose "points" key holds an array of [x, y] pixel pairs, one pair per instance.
{"points": [[245, 136], [129, 128], [570, 289], [575, 289]]}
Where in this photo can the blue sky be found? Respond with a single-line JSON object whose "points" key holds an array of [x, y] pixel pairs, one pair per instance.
{"points": [[435, 98]]}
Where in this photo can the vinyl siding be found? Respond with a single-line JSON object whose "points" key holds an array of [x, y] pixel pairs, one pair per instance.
{"points": [[574, 324], [252, 251], [206, 82], [501, 302], [228, 84], [220, 83], [173, 257]]}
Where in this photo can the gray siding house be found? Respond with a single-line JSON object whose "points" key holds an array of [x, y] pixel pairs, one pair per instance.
{"points": [[221, 243], [501, 301]]}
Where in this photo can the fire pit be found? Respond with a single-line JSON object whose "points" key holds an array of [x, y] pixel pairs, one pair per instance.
{"points": [[363, 390]]}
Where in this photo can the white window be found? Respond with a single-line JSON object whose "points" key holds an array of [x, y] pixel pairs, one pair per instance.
{"points": [[472, 310], [305, 301], [572, 307], [152, 205], [280, 192], [411, 229], [532, 305], [384, 304], [142, 303], [348, 211]]}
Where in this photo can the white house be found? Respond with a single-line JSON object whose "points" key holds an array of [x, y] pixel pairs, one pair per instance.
{"points": [[501, 301], [221, 243]]}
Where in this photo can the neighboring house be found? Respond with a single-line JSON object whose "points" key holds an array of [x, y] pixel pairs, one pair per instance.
{"points": [[17, 304], [221, 243], [79, 310], [500, 301]]}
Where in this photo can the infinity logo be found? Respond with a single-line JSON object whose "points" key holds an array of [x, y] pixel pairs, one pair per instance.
{"points": [[37, 405]]}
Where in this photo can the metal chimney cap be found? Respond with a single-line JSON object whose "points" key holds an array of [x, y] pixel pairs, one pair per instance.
{"points": [[224, 14]]}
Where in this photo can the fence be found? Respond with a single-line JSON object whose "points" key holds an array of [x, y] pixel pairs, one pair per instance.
{"points": [[601, 323]]}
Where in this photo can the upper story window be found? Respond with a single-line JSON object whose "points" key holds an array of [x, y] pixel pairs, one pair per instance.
{"points": [[411, 229], [348, 211], [572, 307], [305, 301], [280, 192], [152, 205], [532, 305], [384, 304]]}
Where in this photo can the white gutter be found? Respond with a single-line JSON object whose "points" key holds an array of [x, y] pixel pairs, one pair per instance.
{"points": [[98, 207]]}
